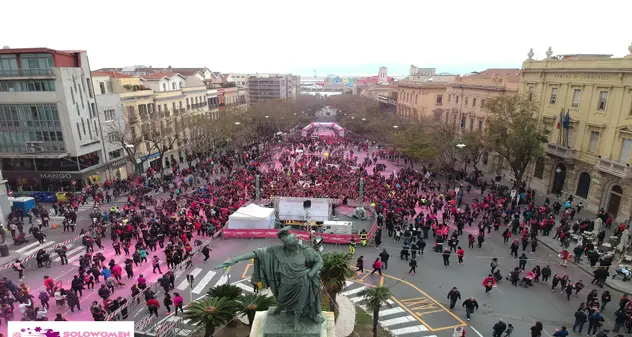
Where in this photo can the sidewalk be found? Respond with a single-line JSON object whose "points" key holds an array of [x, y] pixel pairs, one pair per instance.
{"points": [[615, 284]]}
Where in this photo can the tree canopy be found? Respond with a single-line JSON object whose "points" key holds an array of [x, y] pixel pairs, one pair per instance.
{"points": [[514, 131]]}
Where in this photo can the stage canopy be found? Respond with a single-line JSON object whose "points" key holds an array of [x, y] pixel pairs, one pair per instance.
{"points": [[307, 130], [252, 217]]}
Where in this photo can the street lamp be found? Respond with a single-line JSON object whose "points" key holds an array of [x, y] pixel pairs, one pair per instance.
{"points": [[352, 117], [558, 170], [395, 127], [237, 123], [364, 119], [460, 145], [267, 117]]}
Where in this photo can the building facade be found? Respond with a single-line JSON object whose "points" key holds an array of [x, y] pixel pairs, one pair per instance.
{"points": [[466, 96], [268, 87], [419, 100], [50, 130], [589, 154]]}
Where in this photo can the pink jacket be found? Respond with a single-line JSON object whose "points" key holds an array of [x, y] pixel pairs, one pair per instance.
{"points": [[178, 300]]}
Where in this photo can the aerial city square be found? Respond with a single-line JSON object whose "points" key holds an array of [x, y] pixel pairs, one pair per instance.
{"points": [[331, 188]]}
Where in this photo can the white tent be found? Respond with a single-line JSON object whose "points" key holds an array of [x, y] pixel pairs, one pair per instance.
{"points": [[252, 217]]}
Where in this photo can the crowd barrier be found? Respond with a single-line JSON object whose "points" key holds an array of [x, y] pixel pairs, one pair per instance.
{"points": [[154, 286], [50, 250]]}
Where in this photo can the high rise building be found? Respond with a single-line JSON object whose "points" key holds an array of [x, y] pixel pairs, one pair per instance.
{"points": [[273, 86], [50, 135]]}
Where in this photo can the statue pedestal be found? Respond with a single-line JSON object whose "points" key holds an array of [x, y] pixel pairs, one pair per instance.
{"points": [[281, 325]]}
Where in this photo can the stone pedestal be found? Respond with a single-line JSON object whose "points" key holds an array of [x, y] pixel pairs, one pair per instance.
{"points": [[265, 325]]}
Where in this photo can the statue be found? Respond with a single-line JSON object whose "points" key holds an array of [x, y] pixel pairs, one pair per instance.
{"points": [[291, 271]]}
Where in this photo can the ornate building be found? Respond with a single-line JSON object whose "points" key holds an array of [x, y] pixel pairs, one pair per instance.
{"points": [[586, 102]]}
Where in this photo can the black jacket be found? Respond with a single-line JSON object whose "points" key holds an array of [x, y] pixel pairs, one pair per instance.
{"points": [[500, 327], [470, 304], [580, 317], [454, 295]]}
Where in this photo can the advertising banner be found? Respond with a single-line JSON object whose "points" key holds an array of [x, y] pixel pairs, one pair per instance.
{"points": [[70, 329]]}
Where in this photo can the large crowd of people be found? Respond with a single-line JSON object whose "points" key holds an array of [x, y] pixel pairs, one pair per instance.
{"points": [[412, 208]]}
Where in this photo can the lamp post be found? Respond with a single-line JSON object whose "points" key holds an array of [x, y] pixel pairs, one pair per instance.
{"points": [[257, 192]]}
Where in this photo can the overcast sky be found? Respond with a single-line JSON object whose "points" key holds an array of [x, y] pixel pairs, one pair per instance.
{"points": [[330, 36]]}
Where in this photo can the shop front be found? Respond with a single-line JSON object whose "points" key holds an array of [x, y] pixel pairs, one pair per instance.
{"points": [[47, 181]]}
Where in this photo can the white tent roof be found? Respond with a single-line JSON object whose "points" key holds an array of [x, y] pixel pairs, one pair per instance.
{"points": [[253, 212]]}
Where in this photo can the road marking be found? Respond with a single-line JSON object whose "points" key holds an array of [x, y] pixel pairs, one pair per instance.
{"points": [[184, 284], [478, 333], [222, 280], [29, 246], [353, 291], [69, 253], [381, 281], [356, 299], [34, 250], [398, 320], [245, 287], [348, 283], [205, 280], [76, 256], [458, 319], [392, 311], [245, 273], [410, 329]]}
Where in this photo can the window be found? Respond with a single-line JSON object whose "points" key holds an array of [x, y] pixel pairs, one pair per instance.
{"points": [[603, 100], [90, 111], [577, 96], [72, 96], [78, 131], [181, 85], [164, 87], [462, 122], [174, 105], [416, 96], [538, 171], [96, 129], [108, 115], [449, 98], [112, 137], [553, 96], [89, 86], [173, 85], [482, 104], [466, 100], [115, 154], [570, 133], [83, 126], [531, 90], [439, 99], [471, 124], [473, 102], [626, 147], [457, 100], [480, 124], [159, 108], [593, 142], [102, 87]]}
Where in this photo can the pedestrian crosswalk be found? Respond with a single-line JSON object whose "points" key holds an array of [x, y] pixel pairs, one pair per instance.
{"points": [[393, 317], [33, 247], [183, 327]]}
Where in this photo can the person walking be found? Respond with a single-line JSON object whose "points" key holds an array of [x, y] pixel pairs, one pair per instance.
{"points": [[459, 254], [413, 266], [470, 305], [178, 303], [454, 295], [580, 320], [594, 322], [352, 246], [377, 266], [152, 306], [360, 265], [384, 256], [499, 328], [488, 283], [446, 257]]}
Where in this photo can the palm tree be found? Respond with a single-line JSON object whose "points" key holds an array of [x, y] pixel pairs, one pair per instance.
{"points": [[336, 269], [375, 297], [249, 304], [211, 312], [228, 291]]}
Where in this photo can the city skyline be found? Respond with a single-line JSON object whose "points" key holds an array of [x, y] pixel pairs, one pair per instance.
{"points": [[344, 38]]}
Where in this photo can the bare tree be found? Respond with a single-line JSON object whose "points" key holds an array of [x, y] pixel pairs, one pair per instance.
{"points": [[126, 134], [162, 135]]}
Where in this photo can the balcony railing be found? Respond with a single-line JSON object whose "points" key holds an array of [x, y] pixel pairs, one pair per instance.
{"points": [[615, 168], [26, 72], [561, 151]]}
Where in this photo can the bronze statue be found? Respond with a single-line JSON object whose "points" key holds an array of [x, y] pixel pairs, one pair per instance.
{"points": [[291, 271]]}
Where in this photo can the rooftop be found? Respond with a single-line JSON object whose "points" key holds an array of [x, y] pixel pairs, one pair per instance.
{"points": [[511, 75], [37, 50], [113, 74]]}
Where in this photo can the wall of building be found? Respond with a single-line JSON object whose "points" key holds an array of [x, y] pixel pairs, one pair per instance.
{"points": [[594, 156], [416, 101]]}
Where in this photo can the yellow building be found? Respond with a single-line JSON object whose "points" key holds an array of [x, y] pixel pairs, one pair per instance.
{"points": [[590, 159], [466, 96], [416, 100]]}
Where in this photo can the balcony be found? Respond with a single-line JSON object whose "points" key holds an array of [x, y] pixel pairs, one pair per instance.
{"points": [[561, 151], [27, 73], [615, 168]]}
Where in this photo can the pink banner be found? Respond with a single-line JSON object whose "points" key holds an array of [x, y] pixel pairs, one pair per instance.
{"points": [[272, 233]]}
